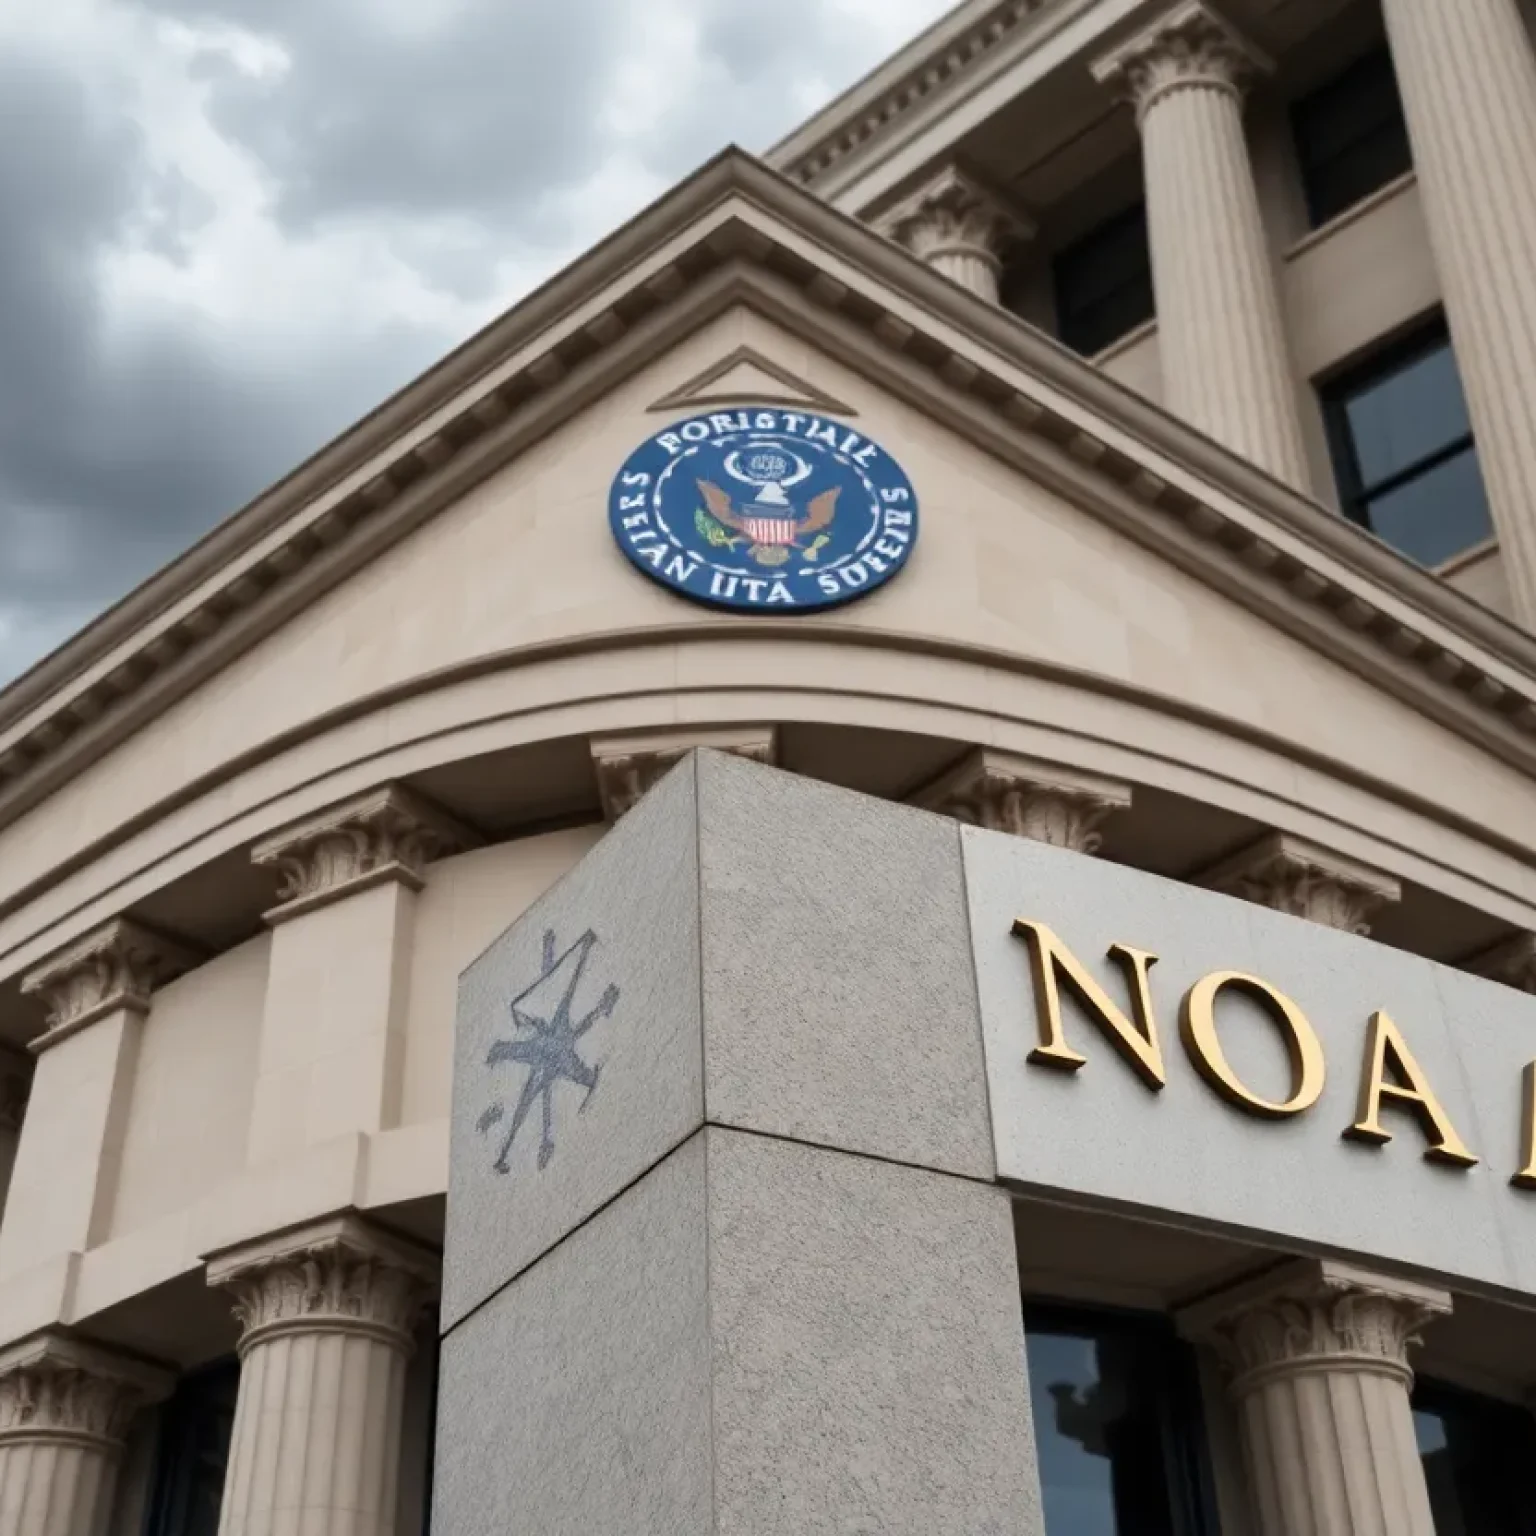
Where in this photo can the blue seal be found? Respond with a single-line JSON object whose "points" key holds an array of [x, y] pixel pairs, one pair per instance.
{"points": [[760, 508]]}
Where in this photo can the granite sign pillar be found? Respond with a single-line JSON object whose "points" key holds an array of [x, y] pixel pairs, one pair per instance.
{"points": [[724, 1246]]}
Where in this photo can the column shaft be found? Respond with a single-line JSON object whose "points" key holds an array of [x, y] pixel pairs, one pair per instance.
{"points": [[1317, 1354], [1226, 364], [329, 1314], [65, 1408], [1467, 75]]}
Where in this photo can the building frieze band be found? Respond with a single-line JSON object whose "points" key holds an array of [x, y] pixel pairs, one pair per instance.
{"points": [[1012, 390]]}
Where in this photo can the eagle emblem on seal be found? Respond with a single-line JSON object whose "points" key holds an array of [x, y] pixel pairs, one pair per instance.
{"points": [[770, 525]]}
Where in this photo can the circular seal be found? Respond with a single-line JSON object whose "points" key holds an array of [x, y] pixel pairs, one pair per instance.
{"points": [[758, 507]]}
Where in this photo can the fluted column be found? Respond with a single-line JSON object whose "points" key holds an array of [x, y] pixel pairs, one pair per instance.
{"points": [[1316, 1356], [65, 1410], [1221, 336], [1007, 792], [1295, 876], [960, 227], [1467, 76], [328, 1317], [630, 765]]}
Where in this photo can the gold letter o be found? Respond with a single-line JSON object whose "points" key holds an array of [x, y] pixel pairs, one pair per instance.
{"points": [[1197, 1029]]}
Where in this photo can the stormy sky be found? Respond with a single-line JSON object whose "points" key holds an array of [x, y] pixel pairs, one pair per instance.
{"points": [[230, 227]]}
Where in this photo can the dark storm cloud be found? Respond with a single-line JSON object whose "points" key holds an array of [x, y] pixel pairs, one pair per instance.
{"points": [[120, 445], [453, 146]]}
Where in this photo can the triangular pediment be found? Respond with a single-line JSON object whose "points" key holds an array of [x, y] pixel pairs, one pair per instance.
{"points": [[745, 376], [852, 318]]}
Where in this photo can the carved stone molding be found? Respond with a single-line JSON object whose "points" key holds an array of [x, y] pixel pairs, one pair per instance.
{"points": [[954, 220], [1006, 792], [1315, 1315], [1189, 45], [341, 1275], [56, 1388], [115, 966], [629, 766], [387, 834], [1293, 875], [1512, 961], [15, 1089]]}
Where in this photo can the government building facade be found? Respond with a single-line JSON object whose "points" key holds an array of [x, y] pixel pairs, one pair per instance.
{"points": [[870, 871]]}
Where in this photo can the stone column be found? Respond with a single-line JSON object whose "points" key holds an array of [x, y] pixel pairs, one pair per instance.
{"points": [[630, 765], [960, 227], [1007, 792], [1317, 1359], [65, 1411], [1221, 334], [328, 1316], [1293, 875], [96, 992], [1468, 80], [332, 1053], [15, 1086]]}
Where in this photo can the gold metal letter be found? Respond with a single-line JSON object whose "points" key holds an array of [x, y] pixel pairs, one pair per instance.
{"points": [[1386, 1050], [1526, 1178], [1197, 1028], [1049, 960]]}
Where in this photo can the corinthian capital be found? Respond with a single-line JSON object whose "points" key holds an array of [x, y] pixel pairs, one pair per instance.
{"points": [[1512, 961], [336, 1276], [1315, 1315], [1188, 45], [954, 213], [115, 966], [629, 766], [54, 1388], [1295, 876], [386, 834], [1005, 792]]}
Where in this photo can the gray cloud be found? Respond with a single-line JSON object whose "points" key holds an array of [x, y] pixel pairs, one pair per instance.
{"points": [[454, 149]]}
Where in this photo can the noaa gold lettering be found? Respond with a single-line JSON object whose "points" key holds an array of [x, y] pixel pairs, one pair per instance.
{"points": [[1197, 1029], [1052, 963], [1387, 1052], [1526, 1178]]}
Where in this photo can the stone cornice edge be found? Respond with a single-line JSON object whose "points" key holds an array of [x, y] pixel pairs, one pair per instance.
{"points": [[1374, 600]]}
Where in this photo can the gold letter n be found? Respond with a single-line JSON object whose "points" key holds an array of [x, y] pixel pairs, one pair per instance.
{"points": [[1051, 963]]}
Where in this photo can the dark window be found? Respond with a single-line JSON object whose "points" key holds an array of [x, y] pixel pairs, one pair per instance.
{"points": [[1477, 1455], [1403, 451], [1104, 283], [1350, 137], [1117, 1425], [192, 1454]]}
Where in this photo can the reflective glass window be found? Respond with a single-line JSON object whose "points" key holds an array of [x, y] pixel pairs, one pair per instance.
{"points": [[1118, 1431], [1477, 1454], [1104, 283], [1403, 449]]}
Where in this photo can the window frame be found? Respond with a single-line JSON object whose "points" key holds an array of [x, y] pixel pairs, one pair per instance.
{"points": [[1427, 335], [1310, 167], [1131, 217], [1186, 1449]]}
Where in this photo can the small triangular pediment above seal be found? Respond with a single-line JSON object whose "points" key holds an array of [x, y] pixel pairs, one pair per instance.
{"points": [[745, 376]]}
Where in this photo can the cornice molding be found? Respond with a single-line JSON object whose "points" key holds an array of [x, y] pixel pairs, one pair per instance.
{"points": [[114, 967], [737, 234], [1045, 802], [387, 835], [1290, 874], [944, 58]]}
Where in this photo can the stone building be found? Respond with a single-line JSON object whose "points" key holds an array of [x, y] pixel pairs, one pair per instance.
{"points": [[1203, 337]]}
